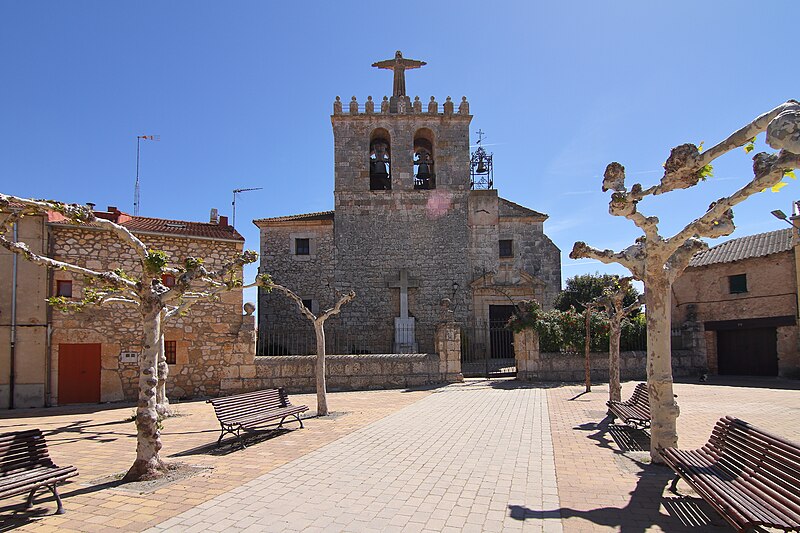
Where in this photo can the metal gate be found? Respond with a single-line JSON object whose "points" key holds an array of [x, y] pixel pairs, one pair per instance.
{"points": [[487, 350]]}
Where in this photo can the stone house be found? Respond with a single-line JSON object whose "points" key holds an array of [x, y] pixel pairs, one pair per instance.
{"points": [[410, 227], [744, 294], [48, 357]]}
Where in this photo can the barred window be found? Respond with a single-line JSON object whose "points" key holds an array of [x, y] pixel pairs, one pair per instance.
{"points": [[171, 351]]}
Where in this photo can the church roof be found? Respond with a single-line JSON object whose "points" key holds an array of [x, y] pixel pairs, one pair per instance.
{"points": [[321, 215], [511, 209], [758, 245]]}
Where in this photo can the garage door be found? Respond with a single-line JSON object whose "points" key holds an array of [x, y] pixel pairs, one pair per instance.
{"points": [[748, 352]]}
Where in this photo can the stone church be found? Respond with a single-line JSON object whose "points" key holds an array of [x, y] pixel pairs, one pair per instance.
{"points": [[417, 220]]}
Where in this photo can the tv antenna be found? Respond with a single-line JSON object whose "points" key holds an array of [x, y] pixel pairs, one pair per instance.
{"points": [[233, 203], [136, 187]]}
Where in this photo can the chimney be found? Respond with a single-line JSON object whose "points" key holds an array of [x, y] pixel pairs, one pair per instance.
{"points": [[90, 205], [214, 217], [223, 221], [112, 209]]}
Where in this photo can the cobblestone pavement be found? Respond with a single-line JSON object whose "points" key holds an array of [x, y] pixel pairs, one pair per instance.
{"points": [[480, 456], [606, 483], [467, 458]]}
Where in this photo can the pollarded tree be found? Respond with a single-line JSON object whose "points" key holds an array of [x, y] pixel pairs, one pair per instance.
{"points": [[658, 261], [613, 301], [143, 290], [319, 331]]}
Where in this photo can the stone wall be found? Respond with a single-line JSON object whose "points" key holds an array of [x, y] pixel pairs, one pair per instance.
{"points": [[345, 372], [568, 367], [309, 276], [213, 339]]}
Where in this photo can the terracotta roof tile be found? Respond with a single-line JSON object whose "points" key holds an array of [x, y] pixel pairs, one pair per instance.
{"points": [[179, 228], [321, 215], [759, 245]]}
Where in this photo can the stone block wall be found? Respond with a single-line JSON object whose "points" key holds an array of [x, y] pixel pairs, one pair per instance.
{"points": [[295, 373], [212, 338], [309, 276], [568, 367]]}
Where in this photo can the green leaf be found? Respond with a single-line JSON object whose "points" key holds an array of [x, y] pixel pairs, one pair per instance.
{"points": [[706, 172], [790, 173], [778, 186], [750, 146], [700, 147]]}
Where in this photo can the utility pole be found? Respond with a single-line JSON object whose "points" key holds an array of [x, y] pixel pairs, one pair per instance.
{"points": [[136, 187], [233, 203]]}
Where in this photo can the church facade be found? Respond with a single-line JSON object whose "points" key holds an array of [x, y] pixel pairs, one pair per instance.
{"points": [[410, 229]]}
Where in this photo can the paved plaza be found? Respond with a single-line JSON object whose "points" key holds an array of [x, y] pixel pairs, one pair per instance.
{"points": [[480, 456]]}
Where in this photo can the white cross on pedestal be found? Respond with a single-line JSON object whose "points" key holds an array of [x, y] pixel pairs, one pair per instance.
{"points": [[403, 282], [404, 338]]}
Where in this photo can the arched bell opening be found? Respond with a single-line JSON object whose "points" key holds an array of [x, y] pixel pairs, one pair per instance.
{"points": [[380, 161], [424, 175]]}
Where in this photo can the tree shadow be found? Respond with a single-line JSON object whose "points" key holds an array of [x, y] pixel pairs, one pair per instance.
{"points": [[641, 512]]}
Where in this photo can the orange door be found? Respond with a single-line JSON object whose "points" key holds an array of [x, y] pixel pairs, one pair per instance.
{"points": [[78, 373]]}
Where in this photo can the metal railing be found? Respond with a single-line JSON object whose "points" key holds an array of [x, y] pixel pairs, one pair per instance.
{"points": [[343, 341]]}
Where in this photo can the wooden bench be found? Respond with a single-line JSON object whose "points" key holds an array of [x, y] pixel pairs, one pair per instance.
{"points": [[251, 411], [26, 466], [749, 476], [635, 410]]}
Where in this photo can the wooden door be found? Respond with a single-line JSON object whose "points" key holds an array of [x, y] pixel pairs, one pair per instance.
{"points": [[78, 373], [748, 352]]}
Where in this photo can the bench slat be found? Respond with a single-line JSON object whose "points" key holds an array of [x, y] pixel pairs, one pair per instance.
{"points": [[45, 476], [751, 477]]}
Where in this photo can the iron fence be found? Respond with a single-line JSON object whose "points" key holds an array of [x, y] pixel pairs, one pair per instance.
{"points": [[487, 349], [276, 341]]}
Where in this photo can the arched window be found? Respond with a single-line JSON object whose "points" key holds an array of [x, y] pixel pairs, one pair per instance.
{"points": [[424, 175], [380, 161]]}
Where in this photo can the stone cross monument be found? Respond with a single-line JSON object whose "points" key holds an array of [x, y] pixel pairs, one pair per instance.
{"points": [[404, 334]]}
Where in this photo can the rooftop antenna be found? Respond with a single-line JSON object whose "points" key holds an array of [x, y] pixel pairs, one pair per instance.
{"points": [[233, 203], [136, 188]]}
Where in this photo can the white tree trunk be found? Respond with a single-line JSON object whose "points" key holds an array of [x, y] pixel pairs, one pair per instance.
{"points": [[162, 401], [587, 349], [615, 330], [663, 408], [322, 393], [148, 464]]}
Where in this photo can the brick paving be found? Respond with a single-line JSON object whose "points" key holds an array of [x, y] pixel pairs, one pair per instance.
{"points": [[605, 484], [467, 458], [482, 456]]}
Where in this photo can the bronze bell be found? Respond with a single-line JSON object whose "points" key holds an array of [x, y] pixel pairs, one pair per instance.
{"points": [[481, 167], [378, 169], [424, 171]]}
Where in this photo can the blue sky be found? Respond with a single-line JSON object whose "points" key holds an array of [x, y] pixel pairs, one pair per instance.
{"points": [[241, 93]]}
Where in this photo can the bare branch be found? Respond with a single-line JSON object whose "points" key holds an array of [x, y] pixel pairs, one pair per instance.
{"points": [[681, 257], [768, 170], [110, 278], [336, 308], [631, 257], [77, 215], [299, 301]]}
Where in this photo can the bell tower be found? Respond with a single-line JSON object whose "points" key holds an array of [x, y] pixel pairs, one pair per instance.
{"points": [[402, 185], [400, 144]]}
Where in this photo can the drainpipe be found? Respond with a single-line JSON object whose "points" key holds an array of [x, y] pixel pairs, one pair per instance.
{"points": [[13, 354]]}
